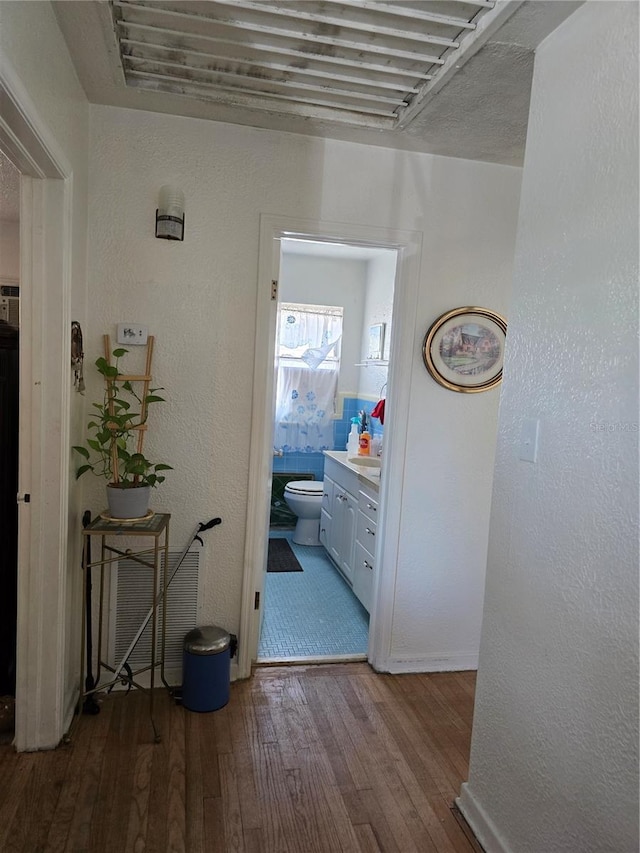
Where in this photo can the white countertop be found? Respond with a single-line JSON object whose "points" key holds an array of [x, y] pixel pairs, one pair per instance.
{"points": [[369, 475]]}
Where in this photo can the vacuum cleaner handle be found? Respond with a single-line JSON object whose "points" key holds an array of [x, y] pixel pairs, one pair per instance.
{"points": [[206, 526]]}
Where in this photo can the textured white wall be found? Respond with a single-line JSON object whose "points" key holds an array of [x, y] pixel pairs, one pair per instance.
{"points": [[32, 44], [381, 274], [330, 281], [199, 299], [469, 219], [554, 761]]}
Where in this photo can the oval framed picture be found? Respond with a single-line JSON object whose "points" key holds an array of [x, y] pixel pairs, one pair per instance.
{"points": [[464, 349]]}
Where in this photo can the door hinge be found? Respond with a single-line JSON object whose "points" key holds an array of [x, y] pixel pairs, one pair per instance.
{"points": [[274, 289], [26, 498], [256, 601]]}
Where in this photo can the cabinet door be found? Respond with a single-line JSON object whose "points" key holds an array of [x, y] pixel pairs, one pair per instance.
{"points": [[368, 505], [325, 528], [349, 522], [366, 533], [328, 491], [363, 576], [337, 524]]}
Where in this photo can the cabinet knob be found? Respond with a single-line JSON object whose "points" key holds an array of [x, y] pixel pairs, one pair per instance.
{"points": [[371, 507], [367, 565], [372, 532]]}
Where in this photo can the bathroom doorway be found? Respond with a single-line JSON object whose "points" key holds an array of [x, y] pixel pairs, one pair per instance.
{"points": [[330, 296], [408, 246]]}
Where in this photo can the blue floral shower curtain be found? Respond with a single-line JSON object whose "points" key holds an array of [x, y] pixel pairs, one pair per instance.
{"points": [[307, 377]]}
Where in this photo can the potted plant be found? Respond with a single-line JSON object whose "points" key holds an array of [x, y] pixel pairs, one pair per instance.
{"points": [[113, 449]]}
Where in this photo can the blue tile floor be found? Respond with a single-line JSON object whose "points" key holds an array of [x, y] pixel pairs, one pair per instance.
{"points": [[311, 614]]}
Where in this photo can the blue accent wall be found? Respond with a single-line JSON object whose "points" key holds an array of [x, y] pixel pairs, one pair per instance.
{"points": [[313, 463], [352, 406], [300, 463]]}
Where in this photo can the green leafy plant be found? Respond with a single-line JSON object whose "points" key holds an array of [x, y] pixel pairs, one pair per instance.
{"points": [[114, 427]]}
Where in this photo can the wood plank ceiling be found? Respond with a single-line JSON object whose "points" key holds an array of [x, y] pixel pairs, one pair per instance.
{"points": [[358, 62]]}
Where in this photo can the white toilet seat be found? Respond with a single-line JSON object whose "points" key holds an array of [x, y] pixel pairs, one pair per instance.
{"points": [[312, 488], [304, 499]]}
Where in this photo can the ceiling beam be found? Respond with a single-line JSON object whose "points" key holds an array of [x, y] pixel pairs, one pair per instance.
{"points": [[342, 22], [400, 11], [237, 97], [481, 4], [174, 40], [245, 79], [350, 44], [324, 74]]}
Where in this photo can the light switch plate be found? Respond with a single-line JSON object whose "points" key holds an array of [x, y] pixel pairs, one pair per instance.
{"points": [[132, 334], [529, 440]]}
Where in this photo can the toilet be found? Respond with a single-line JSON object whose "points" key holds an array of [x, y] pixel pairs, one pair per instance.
{"points": [[304, 499]]}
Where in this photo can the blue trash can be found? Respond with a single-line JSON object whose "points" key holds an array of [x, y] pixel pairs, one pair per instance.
{"points": [[206, 664]]}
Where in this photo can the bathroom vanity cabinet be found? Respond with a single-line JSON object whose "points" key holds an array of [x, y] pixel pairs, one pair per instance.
{"points": [[365, 548], [338, 526], [348, 521]]}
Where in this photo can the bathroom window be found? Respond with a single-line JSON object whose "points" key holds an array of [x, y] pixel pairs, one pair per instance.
{"points": [[309, 336]]}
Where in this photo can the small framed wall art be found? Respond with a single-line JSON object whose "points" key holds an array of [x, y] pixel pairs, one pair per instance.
{"points": [[376, 341], [463, 349]]}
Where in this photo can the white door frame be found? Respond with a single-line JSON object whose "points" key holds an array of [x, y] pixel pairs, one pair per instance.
{"points": [[42, 706], [408, 244]]}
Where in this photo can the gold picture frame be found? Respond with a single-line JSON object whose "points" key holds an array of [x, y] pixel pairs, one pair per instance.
{"points": [[463, 349]]}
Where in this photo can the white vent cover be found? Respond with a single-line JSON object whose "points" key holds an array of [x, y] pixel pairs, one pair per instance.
{"points": [[10, 310], [131, 601]]}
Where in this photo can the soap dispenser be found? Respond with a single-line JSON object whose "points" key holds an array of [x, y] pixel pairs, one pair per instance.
{"points": [[364, 443], [364, 439], [353, 438]]}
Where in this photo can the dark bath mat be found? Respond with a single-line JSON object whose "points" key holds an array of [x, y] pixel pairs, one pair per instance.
{"points": [[281, 557]]}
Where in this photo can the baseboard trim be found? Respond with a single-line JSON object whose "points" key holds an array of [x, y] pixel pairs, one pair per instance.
{"points": [[481, 824], [468, 832], [70, 711], [429, 663]]}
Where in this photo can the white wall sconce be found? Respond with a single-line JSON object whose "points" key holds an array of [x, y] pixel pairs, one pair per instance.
{"points": [[170, 214]]}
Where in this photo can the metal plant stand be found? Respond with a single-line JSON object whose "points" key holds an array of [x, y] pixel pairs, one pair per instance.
{"points": [[110, 532]]}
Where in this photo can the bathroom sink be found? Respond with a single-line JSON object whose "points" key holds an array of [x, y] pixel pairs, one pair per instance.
{"points": [[366, 461]]}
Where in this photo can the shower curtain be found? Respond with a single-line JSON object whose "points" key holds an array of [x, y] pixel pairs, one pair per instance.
{"points": [[307, 377], [304, 409]]}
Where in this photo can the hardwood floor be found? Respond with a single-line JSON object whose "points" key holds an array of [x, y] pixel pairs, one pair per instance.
{"points": [[304, 759]]}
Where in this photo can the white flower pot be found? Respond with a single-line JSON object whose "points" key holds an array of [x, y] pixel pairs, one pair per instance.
{"points": [[128, 503]]}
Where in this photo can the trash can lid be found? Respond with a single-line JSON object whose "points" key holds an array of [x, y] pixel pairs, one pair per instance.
{"points": [[208, 640]]}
